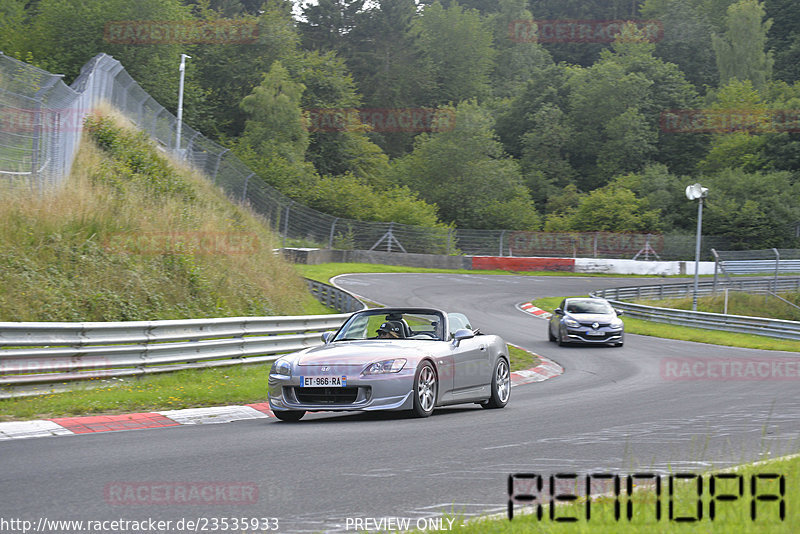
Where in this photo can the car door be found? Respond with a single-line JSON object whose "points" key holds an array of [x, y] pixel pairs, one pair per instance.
{"points": [[471, 365]]}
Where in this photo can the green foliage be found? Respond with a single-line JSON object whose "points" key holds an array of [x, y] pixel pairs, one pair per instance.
{"points": [[753, 209], [457, 45], [134, 161], [611, 209], [466, 174], [116, 243], [741, 50]]}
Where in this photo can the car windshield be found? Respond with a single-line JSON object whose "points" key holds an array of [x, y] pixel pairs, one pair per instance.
{"points": [[588, 306], [379, 324]]}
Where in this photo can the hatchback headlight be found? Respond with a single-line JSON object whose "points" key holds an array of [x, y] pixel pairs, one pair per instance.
{"points": [[282, 367], [385, 366], [616, 323], [572, 323]]}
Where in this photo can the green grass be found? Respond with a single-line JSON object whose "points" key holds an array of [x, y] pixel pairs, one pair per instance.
{"points": [[685, 333], [241, 384], [733, 516], [739, 303], [120, 242]]}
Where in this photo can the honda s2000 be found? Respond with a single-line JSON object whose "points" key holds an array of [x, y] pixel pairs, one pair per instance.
{"points": [[411, 359]]}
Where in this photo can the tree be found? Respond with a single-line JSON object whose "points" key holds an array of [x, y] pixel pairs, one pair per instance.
{"points": [[741, 51], [466, 174], [65, 34], [738, 149], [755, 210], [457, 45], [615, 106], [686, 40], [784, 38], [609, 209], [327, 23], [229, 72], [517, 60]]}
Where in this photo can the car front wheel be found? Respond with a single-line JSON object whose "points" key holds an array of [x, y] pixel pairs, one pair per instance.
{"points": [[501, 385], [425, 389]]}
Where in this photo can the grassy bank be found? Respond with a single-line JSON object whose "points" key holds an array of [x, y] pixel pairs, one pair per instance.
{"points": [[739, 303], [131, 236]]}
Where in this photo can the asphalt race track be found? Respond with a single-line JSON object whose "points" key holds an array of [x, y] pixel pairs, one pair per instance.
{"points": [[613, 410]]}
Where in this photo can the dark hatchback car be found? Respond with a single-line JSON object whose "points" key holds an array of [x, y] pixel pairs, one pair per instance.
{"points": [[586, 320]]}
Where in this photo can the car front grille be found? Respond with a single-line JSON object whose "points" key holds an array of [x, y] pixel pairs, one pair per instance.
{"points": [[345, 395]]}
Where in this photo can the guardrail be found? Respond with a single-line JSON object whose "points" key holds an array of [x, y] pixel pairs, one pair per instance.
{"points": [[39, 357], [48, 354], [333, 297], [713, 321]]}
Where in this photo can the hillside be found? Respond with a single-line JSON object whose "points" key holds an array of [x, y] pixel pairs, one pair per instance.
{"points": [[132, 236]]}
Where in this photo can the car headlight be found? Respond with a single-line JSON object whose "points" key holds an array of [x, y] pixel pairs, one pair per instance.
{"points": [[572, 323], [386, 366], [282, 367], [616, 323]]}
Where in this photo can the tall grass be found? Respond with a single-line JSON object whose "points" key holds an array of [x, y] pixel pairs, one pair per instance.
{"points": [[66, 255]]}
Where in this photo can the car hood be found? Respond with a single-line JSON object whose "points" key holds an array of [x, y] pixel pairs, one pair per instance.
{"points": [[361, 352], [592, 317]]}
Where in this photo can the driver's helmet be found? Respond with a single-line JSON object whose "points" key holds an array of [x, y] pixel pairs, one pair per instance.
{"points": [[392, 329]]}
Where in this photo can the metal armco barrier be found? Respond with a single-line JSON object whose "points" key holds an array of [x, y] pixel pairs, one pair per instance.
{"points": [[53, 353], [334, 297], [35, 357], [712, 321]]}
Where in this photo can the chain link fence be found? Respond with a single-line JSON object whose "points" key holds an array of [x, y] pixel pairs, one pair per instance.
{"points": [[40, 154]]}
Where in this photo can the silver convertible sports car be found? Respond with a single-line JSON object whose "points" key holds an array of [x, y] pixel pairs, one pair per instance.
{"points": [[411, 359]]}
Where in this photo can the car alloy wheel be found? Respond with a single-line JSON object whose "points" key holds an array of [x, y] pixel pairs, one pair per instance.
{"points": [[501, 385], [425, 389]]}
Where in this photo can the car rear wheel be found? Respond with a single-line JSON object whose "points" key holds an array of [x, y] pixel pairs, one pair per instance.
{"points": [[289, 415], [425, 389], [501, 385]]}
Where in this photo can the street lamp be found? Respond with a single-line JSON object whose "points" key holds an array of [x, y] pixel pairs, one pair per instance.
{"points": [[180, 106], [697, 192]]}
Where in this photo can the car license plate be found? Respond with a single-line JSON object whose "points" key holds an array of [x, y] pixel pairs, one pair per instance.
{"points": [[595, 333], [324, 381]]}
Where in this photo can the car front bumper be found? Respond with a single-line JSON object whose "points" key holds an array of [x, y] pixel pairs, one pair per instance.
{"points": [[391, 391]]}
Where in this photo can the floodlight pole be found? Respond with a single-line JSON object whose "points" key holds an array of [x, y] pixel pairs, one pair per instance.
{"points": [[697, 252], [180, 105]]}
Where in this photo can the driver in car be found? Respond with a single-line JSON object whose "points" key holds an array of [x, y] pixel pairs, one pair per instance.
{"points": [[390, 330]]}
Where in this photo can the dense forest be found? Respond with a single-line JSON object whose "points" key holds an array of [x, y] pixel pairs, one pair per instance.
{"points": [[522, 121]]}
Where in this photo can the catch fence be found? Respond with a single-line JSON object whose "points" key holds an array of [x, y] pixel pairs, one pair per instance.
{"points": [[39, 152]]}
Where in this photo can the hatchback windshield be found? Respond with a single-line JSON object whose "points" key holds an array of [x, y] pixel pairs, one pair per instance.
{"points": [[588, 306]]}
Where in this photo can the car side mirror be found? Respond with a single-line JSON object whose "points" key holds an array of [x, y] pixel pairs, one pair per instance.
{"points": [[558, 311], [619, 312], [461, 334], [327, 337]]}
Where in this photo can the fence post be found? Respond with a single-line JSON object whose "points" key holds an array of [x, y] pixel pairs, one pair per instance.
{"points": [[333, 227], [244, 190], [216, 167], [777, 268], [502, 234]]}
